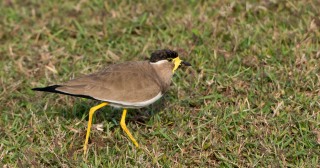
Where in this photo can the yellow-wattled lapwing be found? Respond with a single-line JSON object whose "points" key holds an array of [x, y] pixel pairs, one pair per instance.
{"points": [[126, 85]]}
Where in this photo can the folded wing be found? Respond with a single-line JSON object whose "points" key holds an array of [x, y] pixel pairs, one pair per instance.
{"points": [[128, 82]]}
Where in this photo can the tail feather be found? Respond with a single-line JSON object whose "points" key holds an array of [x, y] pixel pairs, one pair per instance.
{"points": [[48, 89], [53, 88]]}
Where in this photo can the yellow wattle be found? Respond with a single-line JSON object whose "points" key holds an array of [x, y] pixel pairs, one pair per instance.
{"points": [[177, 61]]}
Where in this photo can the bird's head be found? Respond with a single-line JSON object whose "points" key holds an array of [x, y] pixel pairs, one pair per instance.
{"points": [[167, 55]]}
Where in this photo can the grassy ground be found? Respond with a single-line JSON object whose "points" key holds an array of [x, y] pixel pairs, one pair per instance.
{"points": [[250, 99]]}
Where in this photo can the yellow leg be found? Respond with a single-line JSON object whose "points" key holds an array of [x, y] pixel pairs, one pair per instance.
{"points": [[125, 129], [92, 110]]}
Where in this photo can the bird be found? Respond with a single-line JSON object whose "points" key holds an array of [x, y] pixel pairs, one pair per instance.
{"points": [[127, 85]]}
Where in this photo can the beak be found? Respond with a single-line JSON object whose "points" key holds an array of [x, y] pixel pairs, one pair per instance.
{"points": [[185, 63], [177, 62]]}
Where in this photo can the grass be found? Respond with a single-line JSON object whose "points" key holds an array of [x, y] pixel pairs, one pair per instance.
{"points": [[251, 98]]}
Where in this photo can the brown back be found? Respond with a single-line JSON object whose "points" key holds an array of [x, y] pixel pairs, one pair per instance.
{"points": [[128, 82]]}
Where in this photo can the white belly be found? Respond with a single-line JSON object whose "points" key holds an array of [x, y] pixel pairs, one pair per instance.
{"points": [[123, 104]]}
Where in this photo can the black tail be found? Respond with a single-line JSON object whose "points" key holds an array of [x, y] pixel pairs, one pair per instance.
{"points": [[52, 89], [48, 89]]}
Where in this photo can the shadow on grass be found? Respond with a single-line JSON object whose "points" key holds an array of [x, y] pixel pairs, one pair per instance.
{"points": [[80, 109]]}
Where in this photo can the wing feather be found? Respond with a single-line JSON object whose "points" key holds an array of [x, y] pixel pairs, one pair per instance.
{"points": [[130, 82]]}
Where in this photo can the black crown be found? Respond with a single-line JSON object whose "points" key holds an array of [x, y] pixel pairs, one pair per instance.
{"points": [[164, 54]]}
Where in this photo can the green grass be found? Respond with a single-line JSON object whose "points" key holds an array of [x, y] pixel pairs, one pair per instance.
{"points": [[250, 99]]}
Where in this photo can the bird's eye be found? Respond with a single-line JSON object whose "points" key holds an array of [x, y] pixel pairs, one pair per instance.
{"points": [[169, 59]]}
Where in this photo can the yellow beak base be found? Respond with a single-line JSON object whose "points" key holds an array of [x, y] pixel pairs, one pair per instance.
{"points": [[177, 61]]}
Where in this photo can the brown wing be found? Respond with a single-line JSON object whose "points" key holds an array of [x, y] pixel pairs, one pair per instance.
{"points": [[126, 82]]}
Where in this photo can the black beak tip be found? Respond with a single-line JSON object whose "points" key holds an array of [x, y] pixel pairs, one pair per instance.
{"points": [[186, 63]]}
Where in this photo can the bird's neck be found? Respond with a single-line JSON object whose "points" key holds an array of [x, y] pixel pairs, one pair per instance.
{"points": [[164, 72]]}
